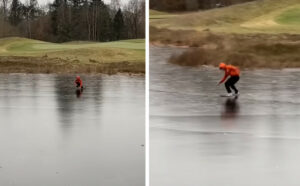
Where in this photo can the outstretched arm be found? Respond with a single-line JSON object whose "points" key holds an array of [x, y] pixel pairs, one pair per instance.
{"points": [[224, 78]]}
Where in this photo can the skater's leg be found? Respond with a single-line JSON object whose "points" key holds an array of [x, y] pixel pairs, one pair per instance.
{"points": [[236, 91], [235, 79], [227, 85]]}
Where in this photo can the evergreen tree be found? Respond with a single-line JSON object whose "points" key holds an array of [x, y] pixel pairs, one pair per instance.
{"points": [[15, 16], [54, 15], [77, 20], [105, 24], [118, 25], [68, 20], [61, 13]]}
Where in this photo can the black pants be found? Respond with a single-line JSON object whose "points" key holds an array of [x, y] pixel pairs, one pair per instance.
{"points": [[230, 84]]}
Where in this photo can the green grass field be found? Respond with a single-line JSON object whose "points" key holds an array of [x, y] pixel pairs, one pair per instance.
{"points": [[79, 56], [289, 17], [268, 16]]}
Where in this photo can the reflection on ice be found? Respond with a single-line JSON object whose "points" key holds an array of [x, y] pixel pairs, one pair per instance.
{"points": [[231, 108]]}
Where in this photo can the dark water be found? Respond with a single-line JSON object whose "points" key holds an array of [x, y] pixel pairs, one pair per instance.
{"points": [[51, 136], [199, 138]]}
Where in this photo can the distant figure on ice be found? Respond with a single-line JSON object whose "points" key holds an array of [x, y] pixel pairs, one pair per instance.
{"points": [[78, 82], [234, 74]]}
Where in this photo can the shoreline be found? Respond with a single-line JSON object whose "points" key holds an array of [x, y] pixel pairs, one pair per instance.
{"points": [[87, 74], [22, 55], [174, 60]]}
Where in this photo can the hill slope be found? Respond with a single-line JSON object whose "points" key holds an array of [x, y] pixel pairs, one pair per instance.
{"points": [[25, 55], [264, 16]]}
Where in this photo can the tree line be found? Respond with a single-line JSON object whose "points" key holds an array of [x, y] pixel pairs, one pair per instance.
{"points": [[69, 20], [190, 5]]}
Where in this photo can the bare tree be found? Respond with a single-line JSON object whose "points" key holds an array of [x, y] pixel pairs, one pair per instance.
{"points": [[142, 18], [28, 12], [4, 14], [132, 16], [4, 8], [135, 18], [115, 4]]}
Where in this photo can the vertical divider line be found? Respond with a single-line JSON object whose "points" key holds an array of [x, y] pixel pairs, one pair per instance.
{"points": [[147, 148]]}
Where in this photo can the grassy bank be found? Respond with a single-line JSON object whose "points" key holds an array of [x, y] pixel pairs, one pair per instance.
{"points": [[32, 56], [252, 35]]}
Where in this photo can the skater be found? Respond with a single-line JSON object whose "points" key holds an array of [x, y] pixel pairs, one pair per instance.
{"points": [[78, 82], [234, 74]]}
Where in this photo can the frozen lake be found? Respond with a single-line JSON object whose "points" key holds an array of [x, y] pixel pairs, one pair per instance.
{"points": [[51, 135], [199, 138]]}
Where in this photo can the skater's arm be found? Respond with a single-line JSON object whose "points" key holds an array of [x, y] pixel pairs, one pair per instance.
{"points": [[224, 78]]}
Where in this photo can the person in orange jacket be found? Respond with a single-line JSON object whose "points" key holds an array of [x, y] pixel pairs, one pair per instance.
{"points": [[234, 73], [78, 82]]}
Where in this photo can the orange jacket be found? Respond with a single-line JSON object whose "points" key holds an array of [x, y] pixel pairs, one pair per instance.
{"points": [[230, 70]]}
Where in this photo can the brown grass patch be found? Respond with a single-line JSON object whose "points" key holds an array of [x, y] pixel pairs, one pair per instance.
{"points": [[245, 51], [15, 64]]}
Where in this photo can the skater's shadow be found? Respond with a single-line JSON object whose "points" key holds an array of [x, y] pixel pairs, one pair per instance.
{"points": [[231, 108]]}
